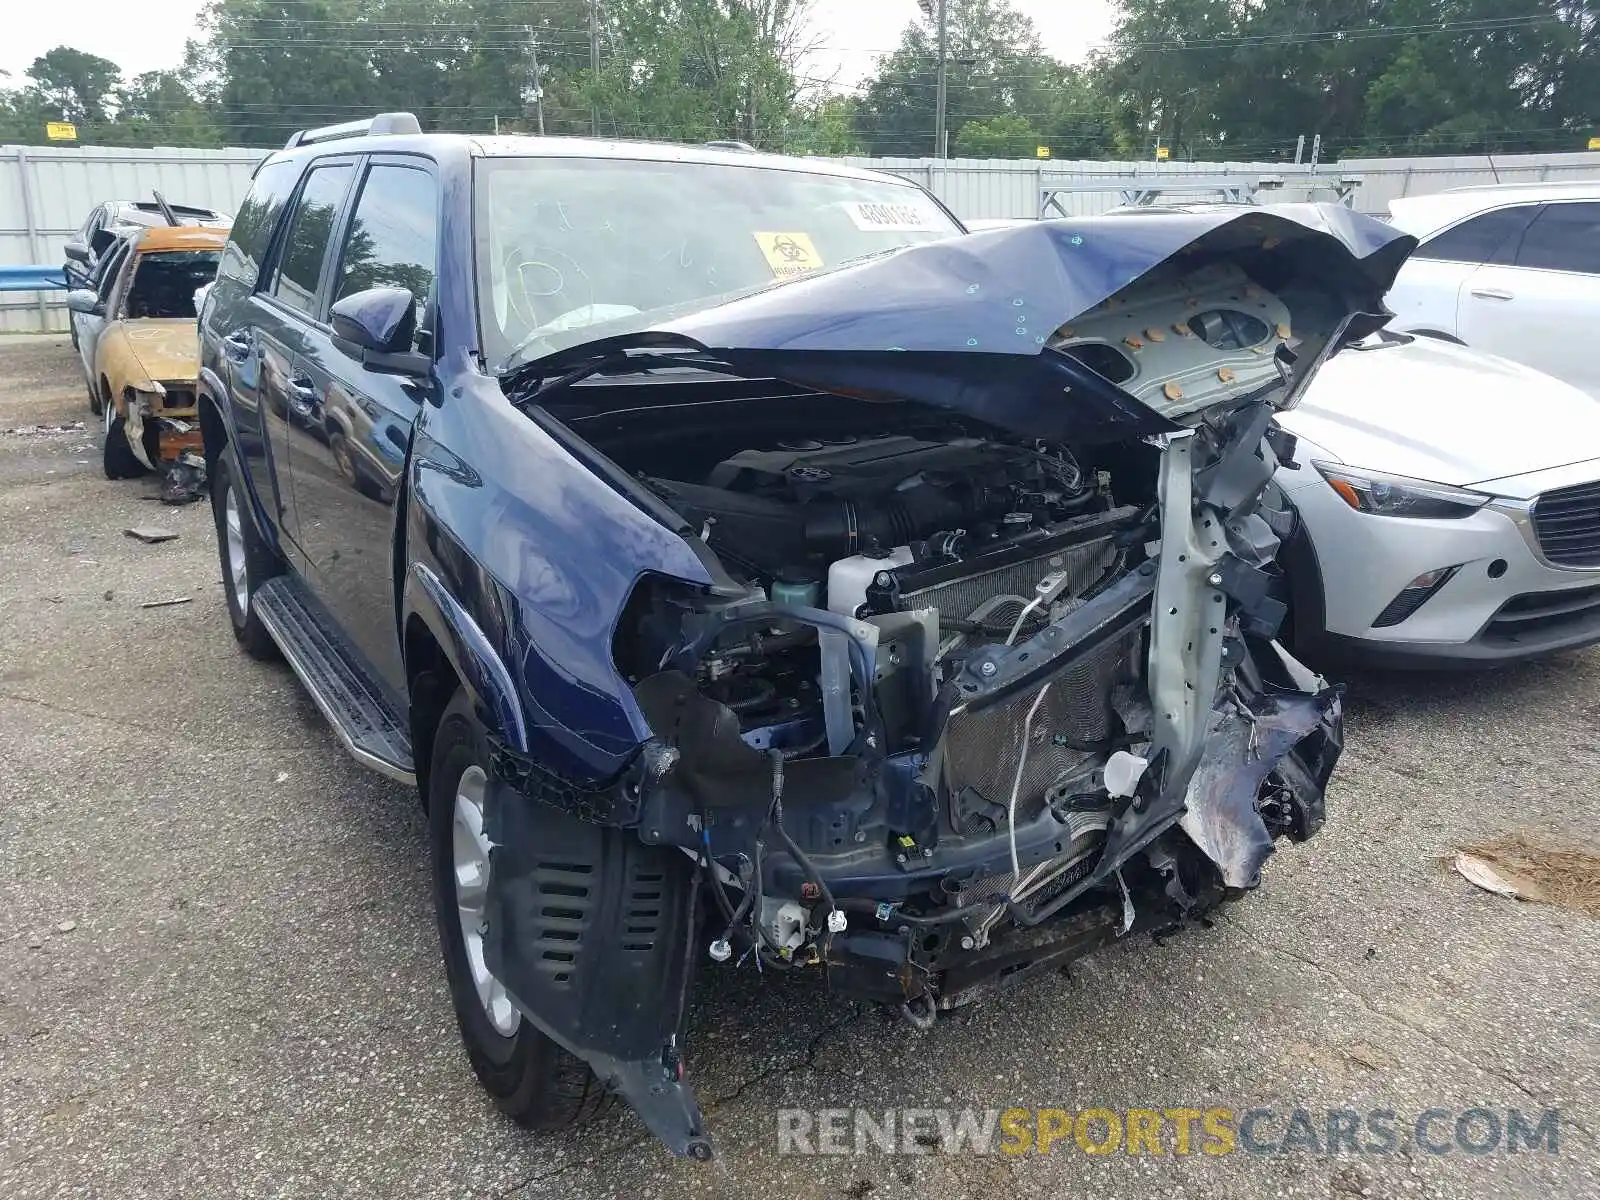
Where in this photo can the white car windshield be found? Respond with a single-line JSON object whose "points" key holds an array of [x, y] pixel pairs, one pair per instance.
{"points": [[570, 250]]}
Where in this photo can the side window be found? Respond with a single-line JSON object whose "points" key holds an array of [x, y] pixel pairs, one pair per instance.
{"points": [[1565, 237], [393, 239], [1480, 238], [305, 244], [258, 217], [105, 271]]}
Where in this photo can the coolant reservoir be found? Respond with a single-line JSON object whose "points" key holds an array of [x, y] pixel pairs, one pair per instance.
{"points": [[848, 578]]}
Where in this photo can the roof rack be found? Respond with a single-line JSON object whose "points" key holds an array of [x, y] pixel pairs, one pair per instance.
{"points": [[378, 126]]}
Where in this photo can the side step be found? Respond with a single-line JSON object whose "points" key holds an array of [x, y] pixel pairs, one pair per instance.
{"points": [[370, 730]]}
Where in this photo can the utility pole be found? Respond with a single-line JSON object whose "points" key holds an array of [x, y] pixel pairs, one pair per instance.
{"points": [[538, 84], [940, 141], [940, 133], [594, 65]]}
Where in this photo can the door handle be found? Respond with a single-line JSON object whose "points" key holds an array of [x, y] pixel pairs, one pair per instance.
{"points": [[236, 346], [302, 390], [1492, 294]]}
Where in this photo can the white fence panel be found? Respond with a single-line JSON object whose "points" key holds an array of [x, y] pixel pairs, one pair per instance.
{"points": [[47, 191]]}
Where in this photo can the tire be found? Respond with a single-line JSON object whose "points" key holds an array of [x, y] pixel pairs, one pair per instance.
{"points": [[117, 456], [531, 1078], [247, 563]]}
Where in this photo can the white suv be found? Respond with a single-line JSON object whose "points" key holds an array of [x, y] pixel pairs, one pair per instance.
{"points": [[1509, 269]]}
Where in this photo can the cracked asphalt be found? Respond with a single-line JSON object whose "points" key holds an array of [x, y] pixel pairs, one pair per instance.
{"points": [[219, 977]]}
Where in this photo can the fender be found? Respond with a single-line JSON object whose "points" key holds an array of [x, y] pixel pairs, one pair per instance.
{"points": [[477, 665]]}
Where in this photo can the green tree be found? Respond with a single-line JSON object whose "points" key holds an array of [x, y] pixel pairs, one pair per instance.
{"points": [[76, 84], [695, 70], [996, 68], [824, 126], [1006, 135]]}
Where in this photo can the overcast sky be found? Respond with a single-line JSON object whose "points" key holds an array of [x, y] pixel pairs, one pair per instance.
{"points": [[143, 35]]}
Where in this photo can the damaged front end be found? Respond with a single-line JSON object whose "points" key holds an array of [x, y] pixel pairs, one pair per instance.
{"points": [[987, 675], [163, 430]]}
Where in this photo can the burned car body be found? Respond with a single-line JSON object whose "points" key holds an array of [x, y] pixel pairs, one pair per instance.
{"points": [[907, 620]]}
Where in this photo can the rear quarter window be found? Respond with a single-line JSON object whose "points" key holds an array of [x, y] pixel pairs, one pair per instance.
{"points": [[258, 217]]}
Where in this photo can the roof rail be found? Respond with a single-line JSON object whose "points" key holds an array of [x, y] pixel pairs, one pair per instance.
{"points": [[730, 144], [378, 126], [1529, 184]]}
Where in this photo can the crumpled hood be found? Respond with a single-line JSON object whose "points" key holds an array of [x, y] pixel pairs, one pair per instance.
{"points": [[963, 323], [167, 348], [1435, 411]]}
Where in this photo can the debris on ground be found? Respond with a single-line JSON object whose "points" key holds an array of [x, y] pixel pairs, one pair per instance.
{"points": [[35, 942], [151, 534], [66, 926], [44, 430], [1533, 867], [185, 480], [166, 603], [1481, 875]]}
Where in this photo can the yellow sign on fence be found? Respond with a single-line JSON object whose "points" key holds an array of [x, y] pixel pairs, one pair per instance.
{"points": [[1162, 154], [1042, 152], [61, 131], [1594, 143]]}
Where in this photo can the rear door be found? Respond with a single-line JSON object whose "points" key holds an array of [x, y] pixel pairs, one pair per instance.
{"points": [[1539, 303], [345, 480], [1427, 295], [228, 346], [285, 312]]}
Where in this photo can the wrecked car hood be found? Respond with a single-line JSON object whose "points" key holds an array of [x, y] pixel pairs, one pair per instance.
{"points": [[164, 348], [975, 324]]}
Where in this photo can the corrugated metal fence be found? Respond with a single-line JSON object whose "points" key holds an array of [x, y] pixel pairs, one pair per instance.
{"points": [[46, 191]]}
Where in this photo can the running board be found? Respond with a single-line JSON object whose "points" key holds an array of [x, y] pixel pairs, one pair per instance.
{"points": [[354, 705]]}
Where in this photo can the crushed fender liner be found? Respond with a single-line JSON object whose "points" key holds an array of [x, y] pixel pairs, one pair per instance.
{"points": [[590, 931]]}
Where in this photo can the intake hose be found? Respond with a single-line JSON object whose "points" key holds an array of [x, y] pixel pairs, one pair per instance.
{"points": [[839, 528]]}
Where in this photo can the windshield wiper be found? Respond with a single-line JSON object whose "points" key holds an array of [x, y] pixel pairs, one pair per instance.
{"points": [[527, 386]]}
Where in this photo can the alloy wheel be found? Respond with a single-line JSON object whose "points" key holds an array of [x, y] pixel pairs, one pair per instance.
{"points": [[471, 855]]}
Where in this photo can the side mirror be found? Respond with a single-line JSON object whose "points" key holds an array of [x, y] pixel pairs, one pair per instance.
{"points": [[76, 251], [82, 300], [378, 326]]}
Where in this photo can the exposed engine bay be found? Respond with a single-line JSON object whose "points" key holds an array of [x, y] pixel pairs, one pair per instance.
{"points": [[984, 675], [964, 617]]}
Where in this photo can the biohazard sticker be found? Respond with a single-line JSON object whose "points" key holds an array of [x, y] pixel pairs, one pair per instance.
{"points": [[893, 218], [789, 254]]}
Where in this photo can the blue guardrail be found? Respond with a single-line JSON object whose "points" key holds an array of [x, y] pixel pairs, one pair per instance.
{"points": [[31, 279]]}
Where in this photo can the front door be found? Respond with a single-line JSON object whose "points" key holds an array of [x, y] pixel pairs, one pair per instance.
{"points": [[90, 326], [347, 476]]}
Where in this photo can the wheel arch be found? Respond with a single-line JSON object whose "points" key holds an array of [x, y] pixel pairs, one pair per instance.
{"points": [[445, 648]]}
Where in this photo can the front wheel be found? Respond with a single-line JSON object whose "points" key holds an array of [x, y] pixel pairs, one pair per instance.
{"points": [[532, 1079], [117, 456]]}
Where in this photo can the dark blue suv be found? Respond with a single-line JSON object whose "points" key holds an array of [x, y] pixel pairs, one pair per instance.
{"points": [[754, 571]]}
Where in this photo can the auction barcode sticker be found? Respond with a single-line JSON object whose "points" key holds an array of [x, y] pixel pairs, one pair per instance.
{"points": [[893, 218]]}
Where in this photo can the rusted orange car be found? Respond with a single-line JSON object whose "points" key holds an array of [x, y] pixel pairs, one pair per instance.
{"points": [[136, 333]]}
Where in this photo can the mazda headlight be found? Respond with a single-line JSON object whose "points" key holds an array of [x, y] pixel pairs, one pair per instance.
{"points": [[1397, 496]]}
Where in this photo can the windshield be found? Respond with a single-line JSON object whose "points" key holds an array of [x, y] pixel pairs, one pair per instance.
{"points": [[165, 281], [570, 250]]}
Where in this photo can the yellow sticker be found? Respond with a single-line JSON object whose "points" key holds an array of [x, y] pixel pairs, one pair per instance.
{"points": [[789, 254]]}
